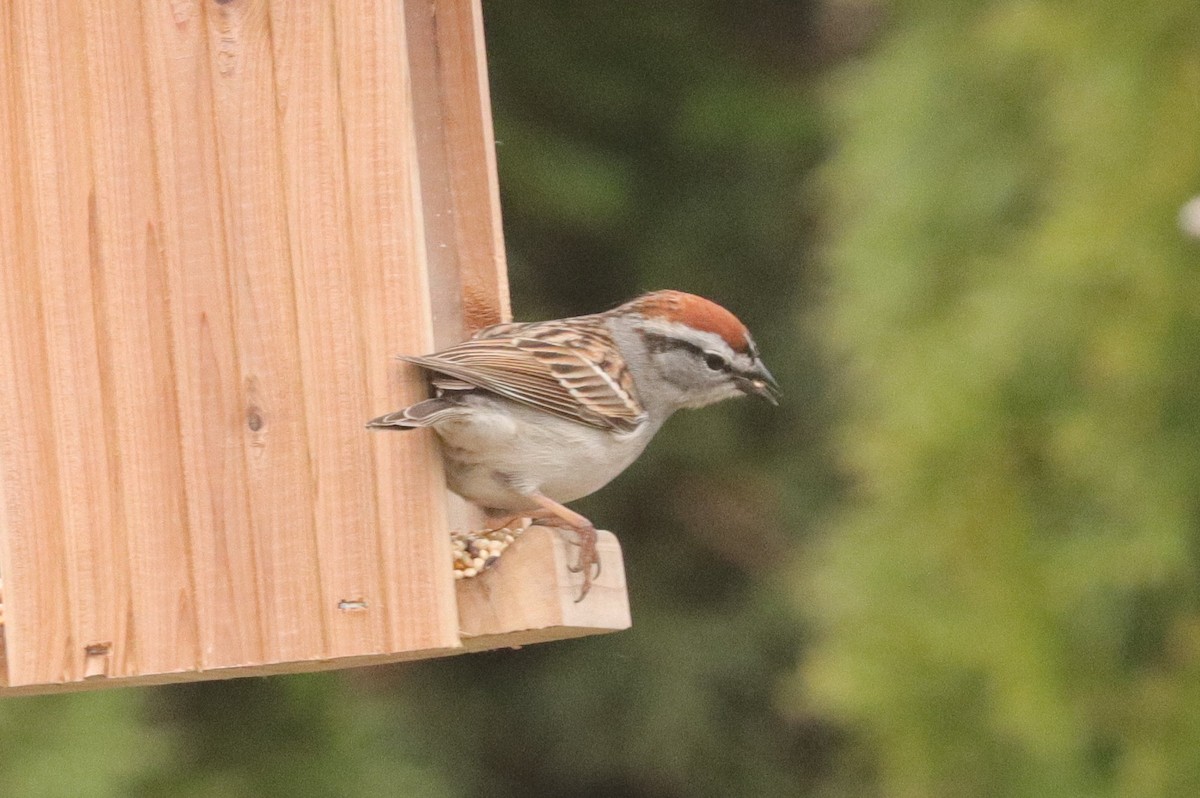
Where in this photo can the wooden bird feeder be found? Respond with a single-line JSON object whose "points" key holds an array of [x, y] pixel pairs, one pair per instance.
{"points": [[220, 220]]}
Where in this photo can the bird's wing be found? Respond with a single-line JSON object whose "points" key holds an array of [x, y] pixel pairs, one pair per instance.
{"points": [[571, 371]]}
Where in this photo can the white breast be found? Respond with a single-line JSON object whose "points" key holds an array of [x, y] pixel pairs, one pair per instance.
{"points": [[501, 452]]}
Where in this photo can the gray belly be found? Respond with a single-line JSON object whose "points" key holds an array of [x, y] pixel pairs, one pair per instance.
{"points": [[499, 459]]}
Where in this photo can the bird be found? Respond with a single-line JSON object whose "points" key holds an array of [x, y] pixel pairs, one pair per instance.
{"points": [[533, 415]]}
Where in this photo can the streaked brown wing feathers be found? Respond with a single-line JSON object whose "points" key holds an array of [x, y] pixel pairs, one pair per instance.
{"points": [[569, 370]]}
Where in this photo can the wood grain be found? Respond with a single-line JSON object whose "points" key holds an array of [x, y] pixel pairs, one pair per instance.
{"points": [[529, 595], [457, 156], [208, 256], [272, 413], [129, 298], [218, 222], [384, 212], [61, 570], [208, 386], [325, 286]]}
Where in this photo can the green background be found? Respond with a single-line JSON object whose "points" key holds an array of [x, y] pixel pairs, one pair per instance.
{"points": [[961, 559]]}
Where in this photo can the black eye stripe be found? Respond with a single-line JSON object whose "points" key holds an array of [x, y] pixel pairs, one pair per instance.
{"points": [[716, 362], [665, 343]]}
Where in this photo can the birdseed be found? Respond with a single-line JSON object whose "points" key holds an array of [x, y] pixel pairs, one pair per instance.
{"points": [[475, 552]]}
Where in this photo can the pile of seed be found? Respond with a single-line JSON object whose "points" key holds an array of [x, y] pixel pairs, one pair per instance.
{"points": [[475, 552]]}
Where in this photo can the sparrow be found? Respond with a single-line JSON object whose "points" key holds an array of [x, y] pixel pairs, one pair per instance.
{"points": [[536, 414]]}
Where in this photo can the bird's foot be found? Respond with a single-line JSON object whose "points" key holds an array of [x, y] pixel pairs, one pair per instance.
{"points": [[582, 534], [589, 560]]}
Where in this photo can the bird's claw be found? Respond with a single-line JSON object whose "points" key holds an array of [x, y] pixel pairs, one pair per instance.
{"points": [[588, 563], [584, 536], [597, 564]]}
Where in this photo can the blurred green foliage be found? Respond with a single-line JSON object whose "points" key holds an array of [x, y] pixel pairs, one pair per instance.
{"points": [[1008, 604], [960, 560]]}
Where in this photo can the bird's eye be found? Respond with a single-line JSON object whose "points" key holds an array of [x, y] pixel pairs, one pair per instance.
{"points": [[715, 362]]}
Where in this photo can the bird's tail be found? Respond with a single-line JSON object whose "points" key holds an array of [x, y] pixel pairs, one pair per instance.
{"points": [[422, 414]]}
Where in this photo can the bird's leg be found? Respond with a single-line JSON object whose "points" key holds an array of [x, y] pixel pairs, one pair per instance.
{"points": [[563, 517], [558, 523], [506, 522]]}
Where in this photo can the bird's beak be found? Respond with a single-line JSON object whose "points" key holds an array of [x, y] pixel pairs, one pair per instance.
{"points": [[760, 383]]}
